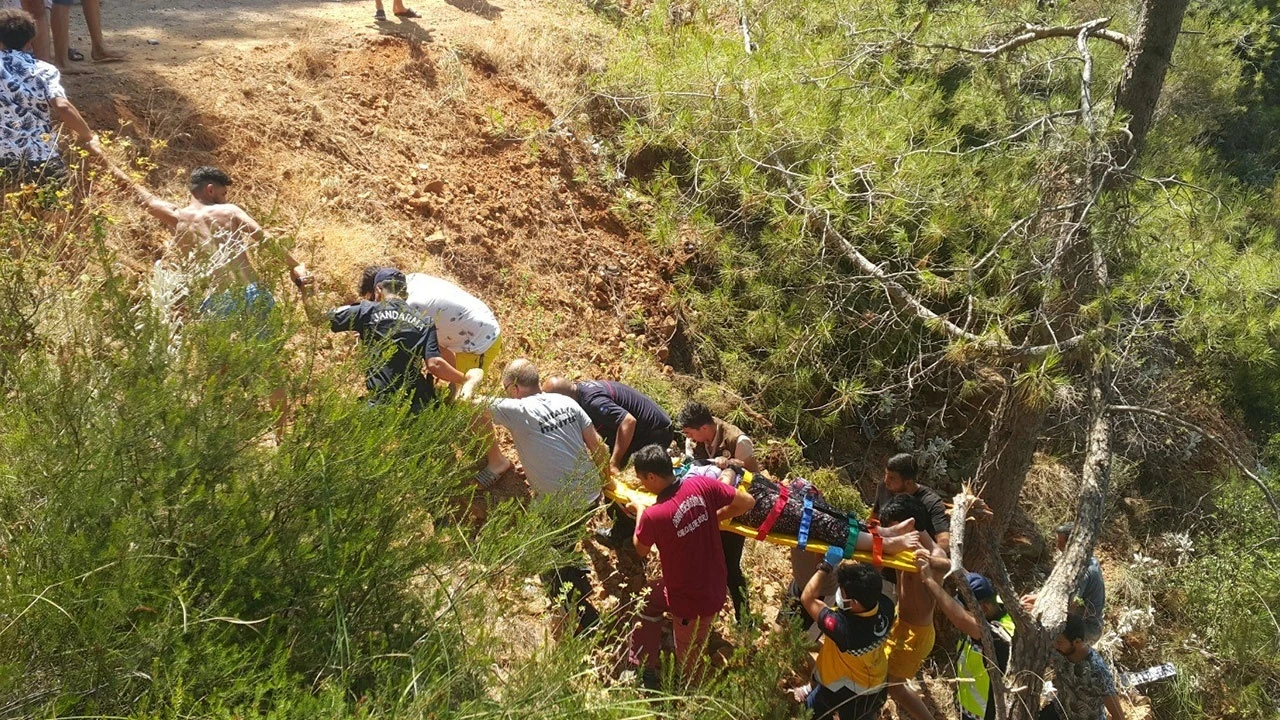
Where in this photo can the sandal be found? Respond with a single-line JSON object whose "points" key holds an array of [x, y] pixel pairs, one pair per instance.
{"points": [[380, 15], [75, 55], [408, 13], [486, 478]]}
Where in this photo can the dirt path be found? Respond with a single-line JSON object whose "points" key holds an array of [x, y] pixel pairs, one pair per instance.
{"points": [[184, 30], [380, 142]]}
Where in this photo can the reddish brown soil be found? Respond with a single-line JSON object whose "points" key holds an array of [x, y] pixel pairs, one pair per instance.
{"points": [[388, 150]]}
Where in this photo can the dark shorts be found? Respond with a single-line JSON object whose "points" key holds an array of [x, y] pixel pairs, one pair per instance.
{"points": [[51, 173], [829, 704]]}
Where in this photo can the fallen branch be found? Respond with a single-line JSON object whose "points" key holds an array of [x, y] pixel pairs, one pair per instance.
{"points": [[1186, 425], [960, 505], [1032, 33], [904, 298]]}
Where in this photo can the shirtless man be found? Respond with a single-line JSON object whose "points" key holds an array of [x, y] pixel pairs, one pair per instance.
{"points": [[212, 239], [912, 637]]}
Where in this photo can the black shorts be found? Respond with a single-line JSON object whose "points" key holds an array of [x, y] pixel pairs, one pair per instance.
{"points": [[829, 704], [51, 173]]}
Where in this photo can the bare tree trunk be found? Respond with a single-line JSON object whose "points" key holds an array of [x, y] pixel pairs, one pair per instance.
{"points": [[1007, 455], [1081, 272], [1031, 645], [1145, 69]]}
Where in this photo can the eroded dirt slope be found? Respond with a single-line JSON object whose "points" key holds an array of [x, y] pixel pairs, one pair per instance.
{"points": [[387, 149]]}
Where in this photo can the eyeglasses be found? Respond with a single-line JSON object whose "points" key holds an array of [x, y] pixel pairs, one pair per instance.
{"points": [[506, 387]]}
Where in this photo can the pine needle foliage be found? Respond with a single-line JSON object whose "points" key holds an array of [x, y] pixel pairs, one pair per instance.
{"points": [[867, 124]]}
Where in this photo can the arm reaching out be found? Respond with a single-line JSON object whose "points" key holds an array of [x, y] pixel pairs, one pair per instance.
{"points": [[298, 272], [1114, 709], [165, 212], [626, 432], [964, 621], [441, 368], [811, 596], [68, 115], [742, 502], [599, 453]]}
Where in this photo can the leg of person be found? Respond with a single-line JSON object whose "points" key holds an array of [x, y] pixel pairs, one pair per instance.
{"points": [[60, 22], [907, 648], [378, 12], [662, 438], [864, 707], [908, 701], [401, 11], [844, 704], [470, 364], [691, 645], [1050, 711], [620, 533], [43, 49], [826, 703], [737, 582], [474, 364], [579, 578], [577, 596], [495, 462], [1092, 630], [803, 565], [93, 18], [646, 635], [490, 356]]}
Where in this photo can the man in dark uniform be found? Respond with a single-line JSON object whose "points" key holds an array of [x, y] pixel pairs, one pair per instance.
{"points": [[627, 420], [399, 339]]}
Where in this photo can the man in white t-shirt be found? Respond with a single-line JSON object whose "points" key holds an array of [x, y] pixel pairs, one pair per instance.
{"points": [[562, 455], [469, 335]]}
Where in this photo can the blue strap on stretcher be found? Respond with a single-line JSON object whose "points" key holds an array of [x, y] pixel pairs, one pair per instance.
{"points": [[806, 517]]}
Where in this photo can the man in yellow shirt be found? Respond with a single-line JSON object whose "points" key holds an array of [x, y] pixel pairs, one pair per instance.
{"points": [[849, 676]]}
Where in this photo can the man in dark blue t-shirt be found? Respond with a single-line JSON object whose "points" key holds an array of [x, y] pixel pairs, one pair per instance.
{"points": [[627, 420], [398, 339]]}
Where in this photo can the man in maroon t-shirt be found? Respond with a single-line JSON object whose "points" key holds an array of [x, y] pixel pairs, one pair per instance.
{"points": [[684, 524]]}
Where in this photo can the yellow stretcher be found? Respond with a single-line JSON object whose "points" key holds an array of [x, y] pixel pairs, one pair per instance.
{"points": [[624, 493]]}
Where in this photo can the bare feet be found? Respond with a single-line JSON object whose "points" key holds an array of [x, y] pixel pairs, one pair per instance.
{"points": [[902, 528], [103, 55]]}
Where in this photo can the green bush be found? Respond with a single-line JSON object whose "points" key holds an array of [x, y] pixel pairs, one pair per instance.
{"points": [[1227, 598], [163, 554], [939, 166], [161, 549]]}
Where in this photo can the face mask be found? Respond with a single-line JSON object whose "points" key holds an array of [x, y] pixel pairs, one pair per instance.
{"points": [[841, 602]]}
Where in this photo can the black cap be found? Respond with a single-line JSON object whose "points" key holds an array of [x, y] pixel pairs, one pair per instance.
{"points": [[390, 277]]}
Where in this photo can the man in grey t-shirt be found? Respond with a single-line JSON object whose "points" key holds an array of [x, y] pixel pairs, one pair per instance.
{"points": [[1089, 598], [562, 455]]}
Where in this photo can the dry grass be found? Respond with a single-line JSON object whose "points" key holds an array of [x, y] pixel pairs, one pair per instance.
{"points": [[554, 60], [1056, 489]]}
